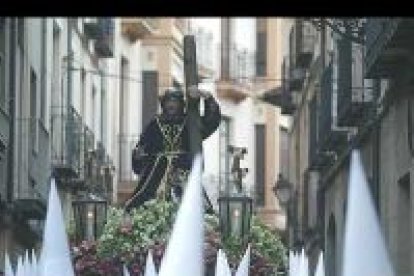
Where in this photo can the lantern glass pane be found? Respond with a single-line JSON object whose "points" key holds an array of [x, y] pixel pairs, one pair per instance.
{"points": [[247, 216], [100, 218], [90, 221], [224, 216], [236, 218], [80, 219]]}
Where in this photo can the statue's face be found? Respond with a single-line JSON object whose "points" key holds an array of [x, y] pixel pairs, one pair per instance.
{"points": [[172, 107]]}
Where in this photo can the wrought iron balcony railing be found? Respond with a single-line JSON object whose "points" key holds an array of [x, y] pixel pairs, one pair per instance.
{"points": [[355, 96], [67, 133], [329, 139], [389, 46], [33, 168]]}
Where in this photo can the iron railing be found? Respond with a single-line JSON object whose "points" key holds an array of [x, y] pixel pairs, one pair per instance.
{"points": [[67, 141], [354, 96], [389, 44], [242, 63], [328, 138]]}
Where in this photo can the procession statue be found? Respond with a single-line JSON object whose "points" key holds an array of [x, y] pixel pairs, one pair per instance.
{"points": [[162, 156]]}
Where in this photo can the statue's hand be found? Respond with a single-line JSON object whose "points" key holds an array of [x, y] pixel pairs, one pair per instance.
{"points": [[193, 92], [196, 93]]}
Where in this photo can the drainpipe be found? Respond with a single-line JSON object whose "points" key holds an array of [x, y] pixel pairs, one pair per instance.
{"points": [[12, 97]]}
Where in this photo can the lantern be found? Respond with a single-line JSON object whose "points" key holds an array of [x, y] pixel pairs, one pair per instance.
{"points": [[90, 217]]}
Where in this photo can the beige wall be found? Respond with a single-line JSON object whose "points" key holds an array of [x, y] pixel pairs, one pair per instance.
{"points": [[272, 213]]}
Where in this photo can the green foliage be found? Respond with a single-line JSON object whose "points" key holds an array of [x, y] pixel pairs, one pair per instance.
{"points": [[150, 225], [264, 243], [144, 227], [268, 243]]}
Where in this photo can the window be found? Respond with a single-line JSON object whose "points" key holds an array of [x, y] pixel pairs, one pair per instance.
{"points": [[125, 142], [2, 63], [55, 83], [20, 32], [33, 109], [103, 115], [43, 81], [284, 151], [261, 47], [150, 96], [260, 159], [123, 95], [83, 91]]}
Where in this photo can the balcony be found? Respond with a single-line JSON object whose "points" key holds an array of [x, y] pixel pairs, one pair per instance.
{"points": [[389, 46], [316, 158], [66, 143], [328, 139], [139, 27], [280, 97], [355, 97], [232, 90], [104, 44], [305, 41]]}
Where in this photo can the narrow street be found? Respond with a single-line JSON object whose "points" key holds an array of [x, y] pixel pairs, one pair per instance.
{"points": [[275, 145]]}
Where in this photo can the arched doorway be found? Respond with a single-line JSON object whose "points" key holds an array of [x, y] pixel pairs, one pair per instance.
{"points": [[331, 247]]}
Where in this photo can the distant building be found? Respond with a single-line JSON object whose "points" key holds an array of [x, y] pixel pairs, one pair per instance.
{"points": [[245, 68]]}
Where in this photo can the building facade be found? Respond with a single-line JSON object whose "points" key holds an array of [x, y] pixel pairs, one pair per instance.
{"points": [[246, 69], [349, 89], [69, 94]]}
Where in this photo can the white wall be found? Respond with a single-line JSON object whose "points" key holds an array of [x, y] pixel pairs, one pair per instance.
{"points": [[132, 52]]}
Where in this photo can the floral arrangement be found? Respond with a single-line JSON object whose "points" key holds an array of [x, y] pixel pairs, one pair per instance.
{"points": [[126, 239]]}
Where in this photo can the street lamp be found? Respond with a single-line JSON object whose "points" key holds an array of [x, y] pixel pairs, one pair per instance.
{"points": [[90, 217], [235, 206], [235, 213], [283, 190]]}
